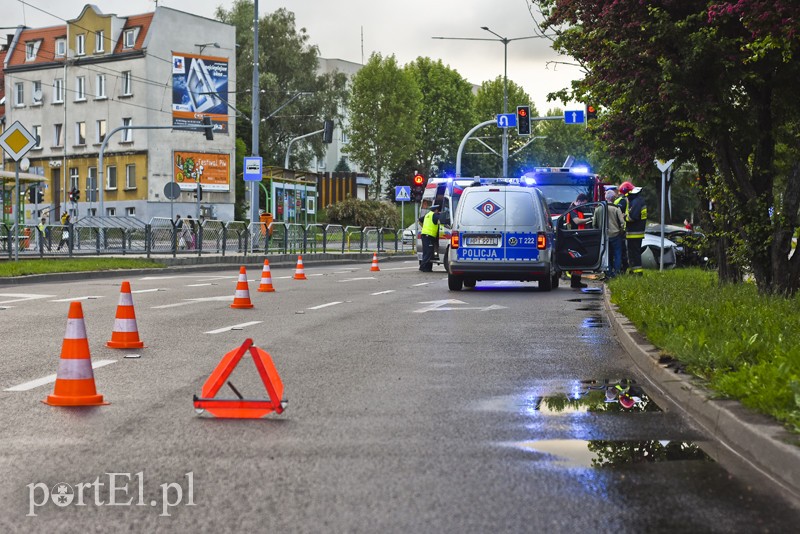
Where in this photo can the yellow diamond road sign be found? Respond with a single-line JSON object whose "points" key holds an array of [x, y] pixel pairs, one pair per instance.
{"points": [[16, 141]]}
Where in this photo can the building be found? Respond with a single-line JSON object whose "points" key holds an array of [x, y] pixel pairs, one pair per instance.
{"points": [[78, 86]]}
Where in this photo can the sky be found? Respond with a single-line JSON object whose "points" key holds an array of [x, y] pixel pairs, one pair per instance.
{"points": [[353, 29]]}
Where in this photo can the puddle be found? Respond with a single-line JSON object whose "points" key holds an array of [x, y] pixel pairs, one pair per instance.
{"points": [[593, 322], [588, 308], [592, 290], [601, 453]]}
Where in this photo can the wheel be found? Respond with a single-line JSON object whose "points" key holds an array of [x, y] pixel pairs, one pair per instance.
{"points": [[556, 279], [454, 282], [447, 259], [470, 283], [545, 283]]}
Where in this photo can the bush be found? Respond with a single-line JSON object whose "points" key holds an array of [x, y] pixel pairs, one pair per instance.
{"points": [[355, 212]]}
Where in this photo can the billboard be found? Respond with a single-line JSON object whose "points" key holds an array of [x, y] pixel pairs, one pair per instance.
{"points": [[199, 88], [212, 170]]}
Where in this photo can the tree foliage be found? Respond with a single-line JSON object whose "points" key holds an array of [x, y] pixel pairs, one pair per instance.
{"points": [[355, 212], [708, 82], [384, 116]]}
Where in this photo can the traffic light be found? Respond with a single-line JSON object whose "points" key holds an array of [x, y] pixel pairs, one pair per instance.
{"points": [[32, 194], [39, 195], [74, 194], [418, 187], [524, 120], [327, 132], [591, 112], [209, 129], [199, 194]]}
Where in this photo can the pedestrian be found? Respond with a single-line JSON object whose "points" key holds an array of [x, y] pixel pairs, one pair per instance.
{"points": [[689, 226], [192, 232], [64, 231], [616, 227], [577, 219], [177, 226], [622, 203], [635, 223], [430, 237], [44, 234]]}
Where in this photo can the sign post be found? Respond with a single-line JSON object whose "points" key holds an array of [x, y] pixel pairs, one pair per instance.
{"points": [[402, 193], [666, 169], [16, 141]]}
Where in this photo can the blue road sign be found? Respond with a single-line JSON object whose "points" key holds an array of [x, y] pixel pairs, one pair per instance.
{"points": [[402, 193], [252, 169], [574, 116], [506, 120]]}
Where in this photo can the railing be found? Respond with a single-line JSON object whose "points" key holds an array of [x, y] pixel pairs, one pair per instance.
{"points": [[162, 237]]}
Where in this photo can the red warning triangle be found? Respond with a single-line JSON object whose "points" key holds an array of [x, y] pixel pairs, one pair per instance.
{"points": [[242, 408]]}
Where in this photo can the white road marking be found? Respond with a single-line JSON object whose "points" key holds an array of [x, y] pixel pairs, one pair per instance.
{"points": [[234, 327], [324, 305], [356, 279], [344, 272], [422, 284], [398, 268], [19, 297], [442, 305], [52, 378], [199, 285], [87, 297], [384, 292], [148, 290], [192, 301]]}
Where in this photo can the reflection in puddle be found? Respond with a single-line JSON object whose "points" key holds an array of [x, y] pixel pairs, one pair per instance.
{"points": [[593, 322], [601, 453]]}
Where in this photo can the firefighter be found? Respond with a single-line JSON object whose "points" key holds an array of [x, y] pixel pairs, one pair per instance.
{"points": [[622, 203], [635, 222]]}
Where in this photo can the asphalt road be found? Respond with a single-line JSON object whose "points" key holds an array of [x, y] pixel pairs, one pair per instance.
{"points": [[411, 409]]}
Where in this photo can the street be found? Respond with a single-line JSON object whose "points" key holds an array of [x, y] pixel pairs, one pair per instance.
{"points": [[411, 408]]}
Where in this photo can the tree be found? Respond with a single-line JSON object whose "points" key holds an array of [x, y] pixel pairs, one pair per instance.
{"points": [[384, 118], [560, 140], [287, 66], [712, 83]]}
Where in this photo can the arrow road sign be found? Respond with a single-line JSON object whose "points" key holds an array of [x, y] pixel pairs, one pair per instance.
{"points": [[506, 120], [402, 193], [574, 116]]}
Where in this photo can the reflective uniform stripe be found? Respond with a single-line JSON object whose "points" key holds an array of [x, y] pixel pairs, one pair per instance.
{"points": [[429, 227], [74, 369]]}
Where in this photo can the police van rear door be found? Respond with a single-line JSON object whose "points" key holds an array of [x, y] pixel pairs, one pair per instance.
{"points": [[584, 248]]}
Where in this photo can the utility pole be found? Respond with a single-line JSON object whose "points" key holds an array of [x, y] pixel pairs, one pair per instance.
{"points": [[255, 116]]}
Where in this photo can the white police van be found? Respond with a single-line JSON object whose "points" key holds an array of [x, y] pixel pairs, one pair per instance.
{"points": [[503, 231]]}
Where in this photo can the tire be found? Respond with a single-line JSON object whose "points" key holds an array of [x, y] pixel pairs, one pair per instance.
{"points": [[556, 279], [454, 282], [470, 283], [545, 283]]}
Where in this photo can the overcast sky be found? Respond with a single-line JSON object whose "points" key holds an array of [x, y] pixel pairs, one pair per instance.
{"points": [[404, 28]]}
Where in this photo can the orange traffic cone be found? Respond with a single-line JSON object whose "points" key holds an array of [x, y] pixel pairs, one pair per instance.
{"points": [[75, 378], [374, 262], [299, 273], [241, 298], [266, 279], [125, 334]]}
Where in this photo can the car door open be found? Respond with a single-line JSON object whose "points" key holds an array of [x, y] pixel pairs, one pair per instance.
{"points": [[583, 247]]}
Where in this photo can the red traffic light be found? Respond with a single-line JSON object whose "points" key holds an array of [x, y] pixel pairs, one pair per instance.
{"points": [[419, 179], [522, 111]]}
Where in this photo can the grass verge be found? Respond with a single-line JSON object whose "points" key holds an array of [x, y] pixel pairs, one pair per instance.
{"points": [[25, 267], [746, 345]]}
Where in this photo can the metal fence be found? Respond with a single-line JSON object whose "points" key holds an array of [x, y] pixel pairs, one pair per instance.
{"points": [[130, 236]]}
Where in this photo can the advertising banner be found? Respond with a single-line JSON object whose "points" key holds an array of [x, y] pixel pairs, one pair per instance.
{"points": [[199, 88], [213, 171]]}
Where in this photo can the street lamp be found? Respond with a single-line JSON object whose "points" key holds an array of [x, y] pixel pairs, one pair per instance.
{"points": [[204, 45], [505, 41]]}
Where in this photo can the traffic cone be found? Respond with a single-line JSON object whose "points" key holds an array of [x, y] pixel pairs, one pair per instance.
{"points": [[266, 279], [299, 273], [75, 377], [241, 298], [125, 334], [374, 262]]}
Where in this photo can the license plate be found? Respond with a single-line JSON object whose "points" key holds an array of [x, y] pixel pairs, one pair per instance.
{"points": [[483, 240]]}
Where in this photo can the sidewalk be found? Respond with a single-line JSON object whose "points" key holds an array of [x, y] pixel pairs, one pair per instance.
{"points": [[750, 445]]}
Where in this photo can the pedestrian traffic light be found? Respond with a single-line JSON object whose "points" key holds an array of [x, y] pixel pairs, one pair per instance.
{"points": [[524, 120], [327, 132], [418, 187], [32, 194], [591, 112], [75, 194], [39, 195], [209, 129]]}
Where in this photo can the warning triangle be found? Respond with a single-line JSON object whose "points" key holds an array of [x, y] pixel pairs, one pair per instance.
{"points": [[242, 408]]}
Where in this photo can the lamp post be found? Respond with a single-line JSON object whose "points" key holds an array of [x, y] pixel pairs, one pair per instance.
{"points": [[505, 41]]}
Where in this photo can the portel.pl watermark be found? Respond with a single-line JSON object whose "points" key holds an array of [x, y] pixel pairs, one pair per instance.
{"points": [[116, 489]]}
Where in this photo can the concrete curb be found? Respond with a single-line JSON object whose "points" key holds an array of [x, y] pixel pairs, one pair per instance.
{"points": [[209, 263], [748, 444]]}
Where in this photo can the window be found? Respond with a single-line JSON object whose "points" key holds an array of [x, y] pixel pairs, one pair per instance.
{"points": [[100, 90], [36, 94], [37, 134], [91, 185], [127, 135], [130, 176], [127, 90], [111, 177], [58, 90], [57, 130], [31, 49], [80, 44], [80, 133], [61, 47], [99, 41], [111, 212], [130, 212], [19, 94], [130, 39], [101, 130], [80, 88], [74, 178]]}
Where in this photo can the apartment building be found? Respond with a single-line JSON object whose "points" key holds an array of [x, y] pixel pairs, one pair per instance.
{"points": [[78, 85]]}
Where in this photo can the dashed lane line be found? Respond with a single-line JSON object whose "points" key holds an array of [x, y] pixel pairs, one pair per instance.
{"points": [[324, 305], [233, 327], [52, 378]]}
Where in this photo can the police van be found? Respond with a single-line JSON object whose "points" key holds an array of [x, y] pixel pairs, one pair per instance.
{"points": [[504, 231]]}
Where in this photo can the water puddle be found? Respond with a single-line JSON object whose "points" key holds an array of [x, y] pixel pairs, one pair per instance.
{"points": [[601, 453], [588, 308], [593, 322]]}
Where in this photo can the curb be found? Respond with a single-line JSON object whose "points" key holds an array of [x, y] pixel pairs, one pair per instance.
{"points": [[746, 443]]}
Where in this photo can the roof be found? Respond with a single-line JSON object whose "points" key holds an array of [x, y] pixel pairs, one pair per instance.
{"points": [[135, 21], [47, 50]]}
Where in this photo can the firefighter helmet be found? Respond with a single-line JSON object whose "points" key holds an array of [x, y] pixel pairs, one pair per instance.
{"points": [[625, 188]]}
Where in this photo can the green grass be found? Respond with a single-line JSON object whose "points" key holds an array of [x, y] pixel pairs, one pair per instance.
{"points": [[746, 345], [25, 267]]}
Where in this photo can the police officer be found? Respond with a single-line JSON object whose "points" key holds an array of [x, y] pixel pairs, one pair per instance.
{"points": [[430, 237]]}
